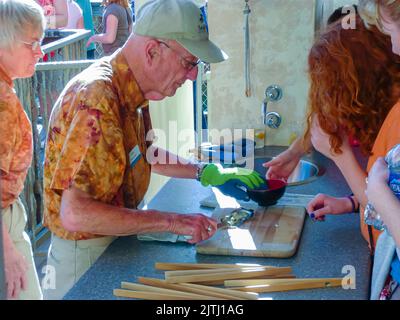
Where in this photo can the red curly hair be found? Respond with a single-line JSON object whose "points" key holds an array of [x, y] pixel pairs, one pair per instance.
{"points": [[355, 80]]}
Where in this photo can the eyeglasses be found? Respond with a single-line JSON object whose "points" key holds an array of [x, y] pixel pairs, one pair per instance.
{"points": [[34, 45], [188, 65]]}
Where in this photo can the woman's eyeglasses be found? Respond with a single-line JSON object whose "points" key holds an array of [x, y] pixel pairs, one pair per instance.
{"points": [[34, 45]]}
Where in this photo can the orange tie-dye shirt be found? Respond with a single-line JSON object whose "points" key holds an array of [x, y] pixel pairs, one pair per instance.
{"points": [[99, 118], [15, 142]]}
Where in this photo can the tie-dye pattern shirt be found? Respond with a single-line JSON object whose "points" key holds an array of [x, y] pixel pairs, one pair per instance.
{"points": [[16, 147], [100, 117]]}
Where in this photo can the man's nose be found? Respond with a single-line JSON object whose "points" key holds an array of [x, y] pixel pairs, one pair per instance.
{"points": [[192, 74]]}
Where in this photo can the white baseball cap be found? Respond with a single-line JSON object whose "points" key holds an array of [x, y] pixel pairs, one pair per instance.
{"points": [[179, 20]]}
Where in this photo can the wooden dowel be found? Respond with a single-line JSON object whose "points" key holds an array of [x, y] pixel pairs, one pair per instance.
{"points": [[192, 266], [169, 274], [234, 274], [259, 282], [146, 288], [225, 292], [291, 286], [221, 282], [150, 295], [202, 290]]}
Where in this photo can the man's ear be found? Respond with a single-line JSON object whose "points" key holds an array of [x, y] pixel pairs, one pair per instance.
{"points": [[152, 51]]}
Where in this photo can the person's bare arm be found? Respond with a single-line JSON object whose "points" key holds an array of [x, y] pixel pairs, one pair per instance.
{"points": [[81, 213], [346, 161], [111, 32], [354, 175], [80, 24], [168, 164]]}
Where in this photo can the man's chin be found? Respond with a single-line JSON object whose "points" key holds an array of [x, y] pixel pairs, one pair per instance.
{"points": [[153, 96], [156, 96], [170, 94]]}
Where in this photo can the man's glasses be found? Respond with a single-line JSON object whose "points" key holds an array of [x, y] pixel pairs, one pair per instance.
{"points": [[34, 45], [188, 65]]}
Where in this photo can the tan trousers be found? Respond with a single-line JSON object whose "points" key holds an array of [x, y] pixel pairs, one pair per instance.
{"points": [[67, 261], [14, 220]]}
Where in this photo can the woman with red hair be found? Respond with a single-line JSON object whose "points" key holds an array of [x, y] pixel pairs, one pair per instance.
{"points": [[354, 84]]}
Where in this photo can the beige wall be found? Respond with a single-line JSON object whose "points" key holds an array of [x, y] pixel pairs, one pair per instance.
{"points": [[281, 36], [178, 109]]}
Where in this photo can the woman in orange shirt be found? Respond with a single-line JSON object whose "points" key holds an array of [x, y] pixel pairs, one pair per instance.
{"points": [[21, 30]]}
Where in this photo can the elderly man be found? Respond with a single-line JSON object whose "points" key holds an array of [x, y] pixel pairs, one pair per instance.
{"points": [[21, 29], [96, 169]]}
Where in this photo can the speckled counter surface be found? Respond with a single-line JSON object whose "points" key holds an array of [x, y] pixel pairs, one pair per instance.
{"points": [[326, 249]]}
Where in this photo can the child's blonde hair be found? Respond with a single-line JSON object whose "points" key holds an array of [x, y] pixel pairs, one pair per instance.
{"points": [[370, 11]]}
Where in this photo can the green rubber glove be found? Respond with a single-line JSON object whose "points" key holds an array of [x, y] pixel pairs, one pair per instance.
{"points": [[216, 175]]}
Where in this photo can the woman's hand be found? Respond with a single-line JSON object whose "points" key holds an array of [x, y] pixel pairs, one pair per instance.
{"points": [[282, 166], [323, 204]]}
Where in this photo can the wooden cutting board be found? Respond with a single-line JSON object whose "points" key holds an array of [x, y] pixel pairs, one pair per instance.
{"points": [[272, 232]]}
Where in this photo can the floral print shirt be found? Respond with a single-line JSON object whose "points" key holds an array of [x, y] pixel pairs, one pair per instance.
{"points": [[100, 117], [16, 146]]}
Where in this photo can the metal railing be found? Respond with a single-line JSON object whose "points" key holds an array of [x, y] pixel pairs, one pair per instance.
{"points": [[65, 45], [201, 103], [97, 11]]}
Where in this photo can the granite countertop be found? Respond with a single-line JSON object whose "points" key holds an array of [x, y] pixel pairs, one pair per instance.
{"points": [[334, 248]]}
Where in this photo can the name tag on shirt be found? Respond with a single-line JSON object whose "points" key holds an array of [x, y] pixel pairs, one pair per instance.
{"points": [[134, 156]]}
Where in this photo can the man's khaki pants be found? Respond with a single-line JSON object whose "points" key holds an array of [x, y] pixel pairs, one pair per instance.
{"points": [[67, 261], [14, 220]]}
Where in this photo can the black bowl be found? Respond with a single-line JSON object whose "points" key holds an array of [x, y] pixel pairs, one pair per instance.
{"points": [[268, 196]]}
